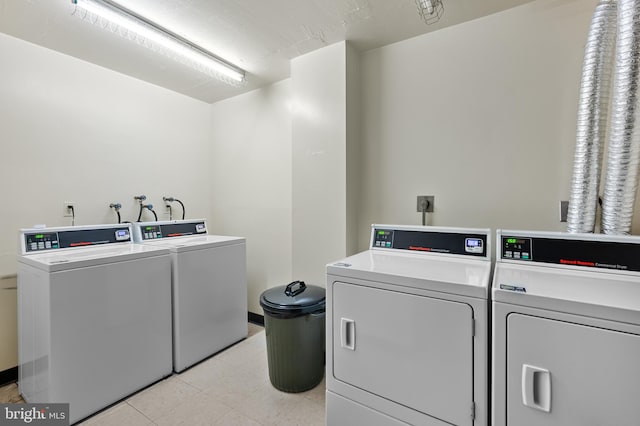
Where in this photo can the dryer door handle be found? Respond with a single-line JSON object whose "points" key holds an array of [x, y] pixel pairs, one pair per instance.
{"points": [[536, 387], [348, 334]]}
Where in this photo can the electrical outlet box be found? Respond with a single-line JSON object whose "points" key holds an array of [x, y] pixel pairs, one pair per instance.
{"points": [[430, 200], [564, 210], [66, 210]]}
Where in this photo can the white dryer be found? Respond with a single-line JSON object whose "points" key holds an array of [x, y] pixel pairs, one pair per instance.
{"points": [[94, 316], [407, 326], [209, 287], [566, 330]]}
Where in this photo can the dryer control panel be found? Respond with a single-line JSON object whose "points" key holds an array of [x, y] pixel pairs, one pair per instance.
{"points": [[431, 239], [46, 239], [590, 251]]}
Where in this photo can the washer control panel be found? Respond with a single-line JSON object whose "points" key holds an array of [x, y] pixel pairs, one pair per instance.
{"points": [[38, 240], [171, 229]]}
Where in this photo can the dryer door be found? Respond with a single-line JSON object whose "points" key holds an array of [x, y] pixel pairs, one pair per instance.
{"points": [[560, 373], [413, 350]]}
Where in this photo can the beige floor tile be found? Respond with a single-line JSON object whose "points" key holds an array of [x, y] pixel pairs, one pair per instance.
{"points": [[203, 409], [239, 362], [162, 398], [237, 389], [254, 328], [234, 418], [250, 355], [9, 394], [303, 412], [269, 406], [317, 394], [265, 407], [258, 340], [250, 361], [120, 414], [205, 374]]}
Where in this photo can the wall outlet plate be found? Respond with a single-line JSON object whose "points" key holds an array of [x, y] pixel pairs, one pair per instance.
{"points": [[564, 210], [66, 211], [430, 199]]}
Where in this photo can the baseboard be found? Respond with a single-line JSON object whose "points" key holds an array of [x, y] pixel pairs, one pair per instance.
{"points": [[256, 318], [9, 376]]}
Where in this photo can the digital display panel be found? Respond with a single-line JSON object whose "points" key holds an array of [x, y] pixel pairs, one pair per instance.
{"points": [[473, 245], [122, 235], [516, 248]]}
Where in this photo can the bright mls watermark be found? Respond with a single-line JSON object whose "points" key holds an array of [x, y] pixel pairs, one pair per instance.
{"points": [[34, 414]]}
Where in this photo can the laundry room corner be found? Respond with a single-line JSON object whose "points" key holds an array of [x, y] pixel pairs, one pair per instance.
{"points": [[250, 178]]}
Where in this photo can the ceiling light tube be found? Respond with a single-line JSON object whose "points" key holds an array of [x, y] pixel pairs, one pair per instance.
{"points": [[153, 33]]}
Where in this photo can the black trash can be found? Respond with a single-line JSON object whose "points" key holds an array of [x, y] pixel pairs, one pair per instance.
{"points": [[294, 317]]}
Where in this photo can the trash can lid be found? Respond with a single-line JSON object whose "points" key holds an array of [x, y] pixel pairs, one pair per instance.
{"points": [[294, 299]]}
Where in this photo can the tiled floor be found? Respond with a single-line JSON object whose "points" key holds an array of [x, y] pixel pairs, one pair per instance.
{"points": [[231, 388], [9, 394]]}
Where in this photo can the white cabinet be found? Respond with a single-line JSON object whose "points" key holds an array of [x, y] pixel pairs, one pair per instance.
{"points": [[565, 374], [411, 349]]}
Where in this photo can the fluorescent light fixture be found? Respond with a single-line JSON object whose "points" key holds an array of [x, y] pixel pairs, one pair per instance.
{"points": [[117, 18]]}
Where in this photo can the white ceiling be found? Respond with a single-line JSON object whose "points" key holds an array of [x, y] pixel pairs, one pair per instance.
{"points": [[257, 35]]}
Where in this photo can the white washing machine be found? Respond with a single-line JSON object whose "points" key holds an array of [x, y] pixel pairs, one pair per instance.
{"points": [[209, 287], [94, 316], [566, 330], [407, 326]]}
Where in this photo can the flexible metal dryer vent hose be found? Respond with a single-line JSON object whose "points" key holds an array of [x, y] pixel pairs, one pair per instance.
{"points": [[623, 154], [593, 105]]}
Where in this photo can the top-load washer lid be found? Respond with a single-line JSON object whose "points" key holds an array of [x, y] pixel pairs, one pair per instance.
{"points": [[448, 260], [199, 242], [56, 249], [180, 235], [90, 256], [586, 274]]}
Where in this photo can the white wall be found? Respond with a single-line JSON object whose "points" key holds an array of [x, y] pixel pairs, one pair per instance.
{"points": [[320, 159], [73, 131], [482, 115], [251, 181], [354, 142]]}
